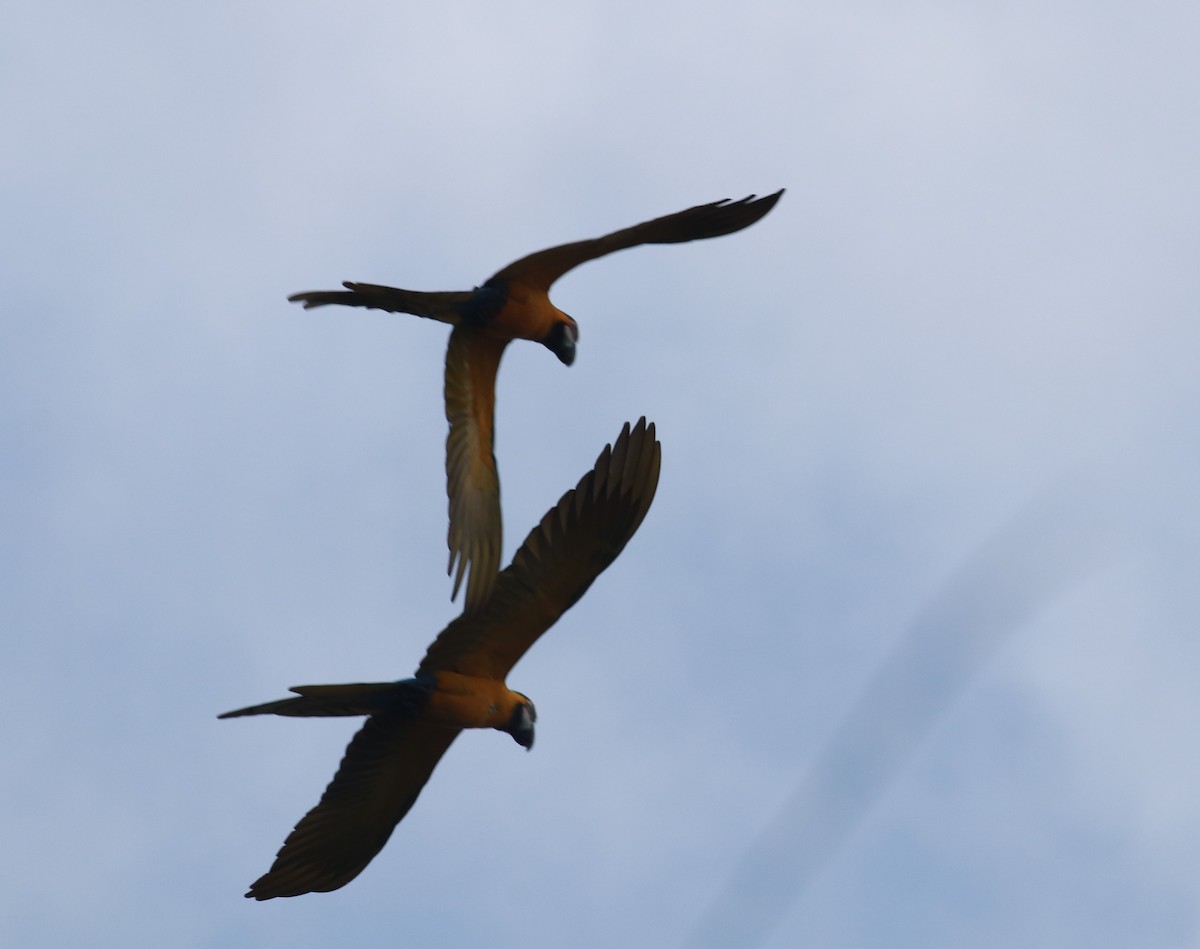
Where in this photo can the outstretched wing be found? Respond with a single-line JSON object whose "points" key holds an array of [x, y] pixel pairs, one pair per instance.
{"points": [[540, 270], [443, 306], [558, 561], [476, 531], [385, 766]]}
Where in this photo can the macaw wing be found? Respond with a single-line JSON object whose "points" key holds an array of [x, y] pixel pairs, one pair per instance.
{"points": [[442, 306], [476, 532], [558, 561], [705, 220], [385, 766]]}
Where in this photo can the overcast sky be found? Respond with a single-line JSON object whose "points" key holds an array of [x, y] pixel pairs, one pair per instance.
{"points": [[905, 653]]}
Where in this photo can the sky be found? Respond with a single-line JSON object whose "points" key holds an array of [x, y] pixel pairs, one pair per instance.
{"points": [[905, 651]]}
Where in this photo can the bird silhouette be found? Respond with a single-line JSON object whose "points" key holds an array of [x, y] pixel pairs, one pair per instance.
{"points": [[512, 304], [461, 681]]}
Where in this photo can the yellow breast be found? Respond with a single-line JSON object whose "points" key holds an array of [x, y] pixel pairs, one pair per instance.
{"points": [[470, 702]]}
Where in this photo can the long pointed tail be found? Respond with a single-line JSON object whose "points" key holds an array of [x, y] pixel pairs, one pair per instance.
{"points": [[328, 701], [443, 306]]}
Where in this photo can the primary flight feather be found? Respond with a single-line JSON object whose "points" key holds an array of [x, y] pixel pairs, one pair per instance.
{"points": [[512, 304], [461, 681]]}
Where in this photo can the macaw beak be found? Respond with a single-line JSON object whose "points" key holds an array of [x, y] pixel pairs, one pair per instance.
{"points": [[561, 342], [521, 726]]}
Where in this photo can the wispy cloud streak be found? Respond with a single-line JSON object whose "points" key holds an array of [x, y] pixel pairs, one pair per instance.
{"points": [[1001, 587]]}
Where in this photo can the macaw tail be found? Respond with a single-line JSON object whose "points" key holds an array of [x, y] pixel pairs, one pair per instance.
{"points": [[361, 698]]}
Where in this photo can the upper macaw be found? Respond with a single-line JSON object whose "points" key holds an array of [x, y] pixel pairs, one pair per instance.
{"points": [[512, 304]]}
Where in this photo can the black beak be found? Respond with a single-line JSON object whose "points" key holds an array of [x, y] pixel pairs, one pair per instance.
{"points": [[561, 342], [521, 726]]}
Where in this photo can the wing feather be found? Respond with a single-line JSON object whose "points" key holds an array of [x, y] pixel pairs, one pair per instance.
{"points": [[573, 544], [703, 221], [476, 534], [385, 767]]}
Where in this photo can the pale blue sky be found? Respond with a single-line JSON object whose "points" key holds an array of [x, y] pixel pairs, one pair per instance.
{"points": [[980, 287]]}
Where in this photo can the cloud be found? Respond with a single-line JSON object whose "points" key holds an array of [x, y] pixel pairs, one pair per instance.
{"points": [[980, 280]]}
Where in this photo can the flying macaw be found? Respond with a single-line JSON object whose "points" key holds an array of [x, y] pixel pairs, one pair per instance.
{"points": [[461, 681], [512, 304]]}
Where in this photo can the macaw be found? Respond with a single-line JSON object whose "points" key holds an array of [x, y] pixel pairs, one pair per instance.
{"points": [[461, 681], [514, 303]]}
